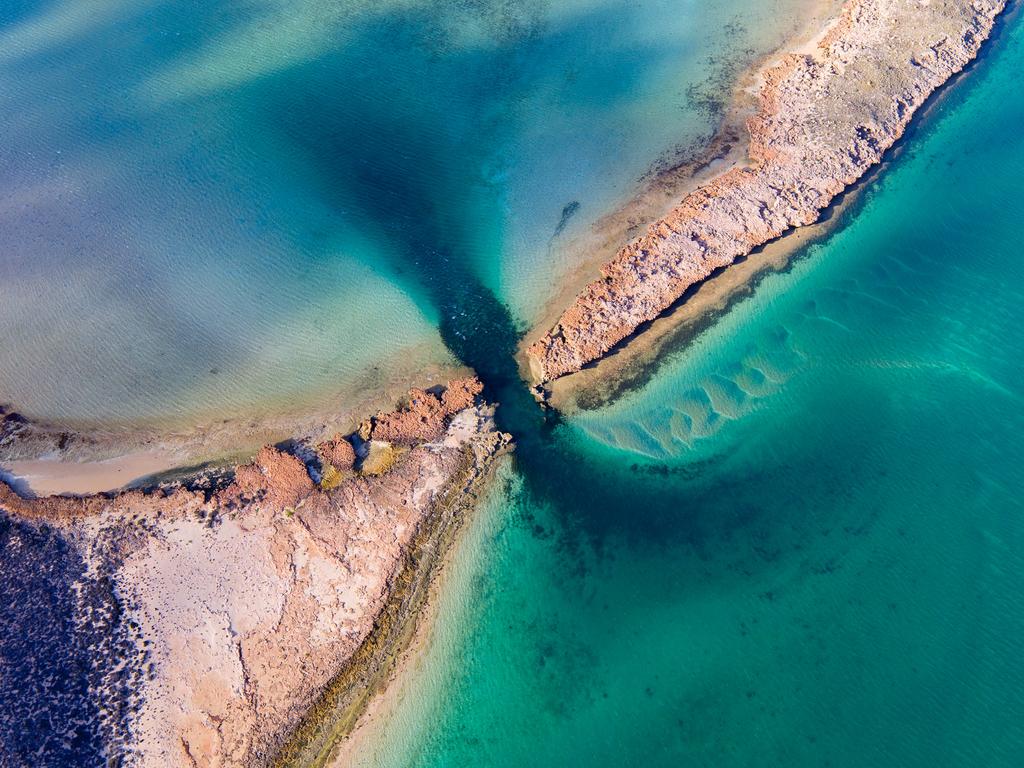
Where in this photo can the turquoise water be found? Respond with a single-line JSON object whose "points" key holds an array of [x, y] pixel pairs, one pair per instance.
{"points": [[237, 207], [801, 542], [798, 544]]}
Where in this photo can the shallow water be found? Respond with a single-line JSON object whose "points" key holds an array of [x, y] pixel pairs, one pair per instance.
{"points": [[799, 544], [802, 542], [227, 208]]}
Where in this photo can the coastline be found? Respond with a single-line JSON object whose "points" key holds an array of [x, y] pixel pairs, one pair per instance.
{"points": [[797, 143], [77, 457], [358, 697], [661, 188], [329, 734], [637, 358], [293, 565], [330, 727], [50, 458], [450, 579]]}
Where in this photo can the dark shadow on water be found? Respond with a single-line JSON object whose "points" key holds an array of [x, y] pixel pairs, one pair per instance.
{"points": [[61, 701]]}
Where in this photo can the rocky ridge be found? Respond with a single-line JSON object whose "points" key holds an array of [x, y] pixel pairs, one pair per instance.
{"points": [[826, 116]]}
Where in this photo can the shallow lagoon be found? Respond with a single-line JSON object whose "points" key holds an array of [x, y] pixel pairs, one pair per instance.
{"points": [[221, 209]]}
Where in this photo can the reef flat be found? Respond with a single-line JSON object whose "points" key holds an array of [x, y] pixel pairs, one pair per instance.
{"points": [[241, 597], [826, 116]]}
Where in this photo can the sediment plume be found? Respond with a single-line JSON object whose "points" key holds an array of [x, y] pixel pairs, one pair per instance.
{"points": [[240, 600], [826, 116]]}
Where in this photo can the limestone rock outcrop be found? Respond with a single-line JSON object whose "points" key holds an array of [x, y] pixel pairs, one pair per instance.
{"points": [[425, 414], [825, 118]]}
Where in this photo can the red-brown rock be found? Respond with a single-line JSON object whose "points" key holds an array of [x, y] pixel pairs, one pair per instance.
{"points": [[338, 452], [425, 415], [273, 476]]}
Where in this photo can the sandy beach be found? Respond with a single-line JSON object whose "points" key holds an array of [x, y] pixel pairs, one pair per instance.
{"points": [[53, 477]]}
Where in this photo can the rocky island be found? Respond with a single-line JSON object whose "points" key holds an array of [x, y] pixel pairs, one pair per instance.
{"points": [[826, 116]]}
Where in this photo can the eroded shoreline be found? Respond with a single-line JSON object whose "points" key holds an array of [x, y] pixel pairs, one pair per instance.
{"points": [[48, 458], [371, 669], [827, 116]]}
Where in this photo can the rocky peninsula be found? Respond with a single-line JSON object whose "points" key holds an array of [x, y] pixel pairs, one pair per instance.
{"points": [[234, 604], [827, 114]]}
